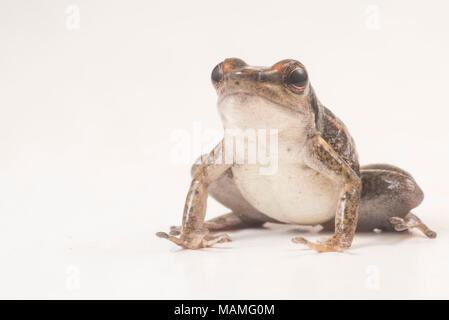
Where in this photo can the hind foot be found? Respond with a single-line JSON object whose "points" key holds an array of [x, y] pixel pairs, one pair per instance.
{"points": [[409, 222]]}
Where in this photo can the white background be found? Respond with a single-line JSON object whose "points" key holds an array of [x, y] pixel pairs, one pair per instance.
{"points": [[90, 112]]}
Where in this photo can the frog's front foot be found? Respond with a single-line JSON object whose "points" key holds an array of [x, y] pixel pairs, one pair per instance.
{"points": [[331, 245], [195, 240]]}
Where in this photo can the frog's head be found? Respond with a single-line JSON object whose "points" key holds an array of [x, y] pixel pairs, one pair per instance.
{"points": [[248, 93]]}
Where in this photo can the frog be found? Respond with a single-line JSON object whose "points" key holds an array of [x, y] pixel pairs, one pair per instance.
{"points": [[318, 179]]}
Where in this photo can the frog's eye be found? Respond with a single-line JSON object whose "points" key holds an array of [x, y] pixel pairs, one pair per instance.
{"points": [[297, 79], [217, 74]]}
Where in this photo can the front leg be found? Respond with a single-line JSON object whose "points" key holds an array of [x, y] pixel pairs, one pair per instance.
{"points": [[323, 158], [193, 233]]}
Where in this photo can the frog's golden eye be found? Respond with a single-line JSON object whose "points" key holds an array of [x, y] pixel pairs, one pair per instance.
{"points": [[297, 79], [217, 74]]}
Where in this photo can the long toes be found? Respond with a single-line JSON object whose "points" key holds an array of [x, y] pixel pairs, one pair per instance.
{"points": [[318, 247], [218, 238], [321, 247], [173, 239], [210, 241]]}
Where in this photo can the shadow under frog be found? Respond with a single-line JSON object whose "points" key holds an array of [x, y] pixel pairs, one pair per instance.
{"points": [[318, 178]]}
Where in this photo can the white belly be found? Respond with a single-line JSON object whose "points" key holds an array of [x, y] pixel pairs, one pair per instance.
{"points": [[295, 194]]}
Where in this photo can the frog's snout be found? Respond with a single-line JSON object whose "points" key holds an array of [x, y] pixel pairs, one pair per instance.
{"points": [[237, 71], [242, 75]]}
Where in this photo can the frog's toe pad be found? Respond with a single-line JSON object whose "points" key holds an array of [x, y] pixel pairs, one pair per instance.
{"points": [[300, 240], [173, 239], [431, 234], [175, 230], [162, 235]]}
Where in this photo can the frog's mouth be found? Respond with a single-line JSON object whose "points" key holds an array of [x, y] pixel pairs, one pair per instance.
{"points": [[248, 110], [246, 99], [241, 97]]}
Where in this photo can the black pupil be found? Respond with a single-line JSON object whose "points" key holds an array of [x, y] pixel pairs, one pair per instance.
{"points": [[298, 78], [216, 74]]}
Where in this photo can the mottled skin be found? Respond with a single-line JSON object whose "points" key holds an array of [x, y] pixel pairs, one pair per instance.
{"points": [[374, 196]]}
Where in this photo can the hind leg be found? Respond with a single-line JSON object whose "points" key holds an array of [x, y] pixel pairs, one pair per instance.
{"points": [[388, 195], [409, 222]]}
